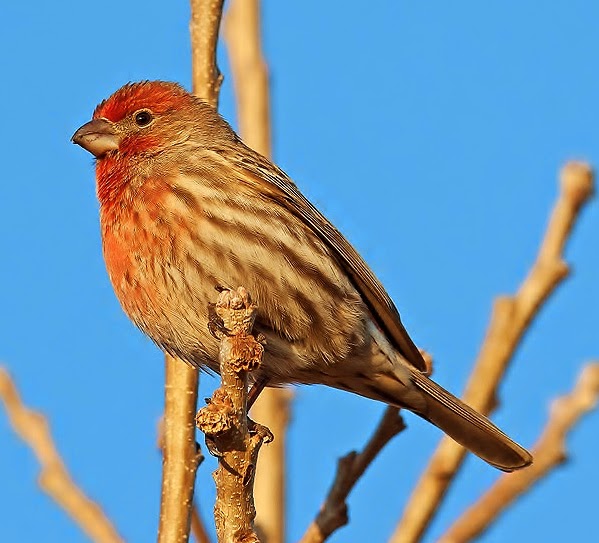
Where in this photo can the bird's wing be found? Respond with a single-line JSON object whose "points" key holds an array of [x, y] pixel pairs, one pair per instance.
{"points": [[262, 172]]}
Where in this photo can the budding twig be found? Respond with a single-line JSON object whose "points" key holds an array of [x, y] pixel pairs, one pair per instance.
{"points": [[510, 319], [549, 452], [224, 420], [33, 428]]}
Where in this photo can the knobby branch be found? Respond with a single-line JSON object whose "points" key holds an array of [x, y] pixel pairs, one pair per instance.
{"points": [[230, 435]]}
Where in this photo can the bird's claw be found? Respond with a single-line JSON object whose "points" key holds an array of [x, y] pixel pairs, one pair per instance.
{"points": [[261, 431], [212, 447]]}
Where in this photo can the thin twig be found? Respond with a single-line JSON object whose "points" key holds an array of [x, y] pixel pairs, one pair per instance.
{"points": [[241, 30], [333, 513], [181, 456], [510, 319], [198, 529], [549, 453], [54, 479], [225, 423]]}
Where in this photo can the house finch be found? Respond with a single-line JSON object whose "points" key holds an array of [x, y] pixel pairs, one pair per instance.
{"points": [[185, 207]]}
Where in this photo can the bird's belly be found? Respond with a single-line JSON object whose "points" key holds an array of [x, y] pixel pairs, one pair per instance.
{"points": [[308, 310]]}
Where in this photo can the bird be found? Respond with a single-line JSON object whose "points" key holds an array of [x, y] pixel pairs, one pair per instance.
{"points": [[186, 207]]}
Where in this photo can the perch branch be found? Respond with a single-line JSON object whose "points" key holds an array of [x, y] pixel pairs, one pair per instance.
{"points": [[54, 479], [511, 317], [333, 513], [241, 31], [549, 452], [224, 420], [181, 455]]}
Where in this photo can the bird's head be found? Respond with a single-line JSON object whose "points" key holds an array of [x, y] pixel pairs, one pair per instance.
{"points": [[146, 130], [139, 118]]}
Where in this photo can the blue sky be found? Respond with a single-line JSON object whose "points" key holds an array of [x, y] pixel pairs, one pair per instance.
{"points": [[429, 133]]}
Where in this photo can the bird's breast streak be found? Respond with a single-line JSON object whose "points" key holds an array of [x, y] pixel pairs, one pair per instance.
{"points": [[237, 240], [191, 246]]}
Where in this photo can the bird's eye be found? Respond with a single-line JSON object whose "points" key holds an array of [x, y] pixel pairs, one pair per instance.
{"points": [[143, 118]]}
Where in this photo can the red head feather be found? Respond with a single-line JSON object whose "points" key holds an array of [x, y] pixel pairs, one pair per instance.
{"points": [[159, 96]]}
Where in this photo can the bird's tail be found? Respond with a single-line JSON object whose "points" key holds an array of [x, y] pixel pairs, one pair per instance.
{"points": [[462, 423]]}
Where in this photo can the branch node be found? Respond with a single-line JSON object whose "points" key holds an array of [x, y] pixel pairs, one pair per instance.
{"points": [[246, 353], [235, 438], [215, 418]]}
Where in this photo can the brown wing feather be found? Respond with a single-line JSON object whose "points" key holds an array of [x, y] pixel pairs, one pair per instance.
{"points": [[284, 191]]}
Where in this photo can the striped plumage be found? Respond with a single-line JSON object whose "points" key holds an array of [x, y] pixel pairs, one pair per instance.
{"points": [[185, 207]]}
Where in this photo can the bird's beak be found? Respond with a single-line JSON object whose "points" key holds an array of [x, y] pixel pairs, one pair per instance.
{"points": [[98, 137]]}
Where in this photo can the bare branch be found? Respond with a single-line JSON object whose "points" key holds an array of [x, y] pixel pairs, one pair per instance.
{"points": [[241, 30], [32, 427], [198, 530], [225, 423], [272, 410], [203, 28], [510, 319], [549, 453], [333, 513], [181, 455]]}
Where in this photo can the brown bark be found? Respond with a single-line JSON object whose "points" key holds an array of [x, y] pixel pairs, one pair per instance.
{"points": [[333, 513], [225, 423], [180, 453], [203, 28]]}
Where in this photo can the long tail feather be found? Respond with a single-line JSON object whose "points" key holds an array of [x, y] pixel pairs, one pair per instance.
{"points": [[469, 428], [462, 423]]}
